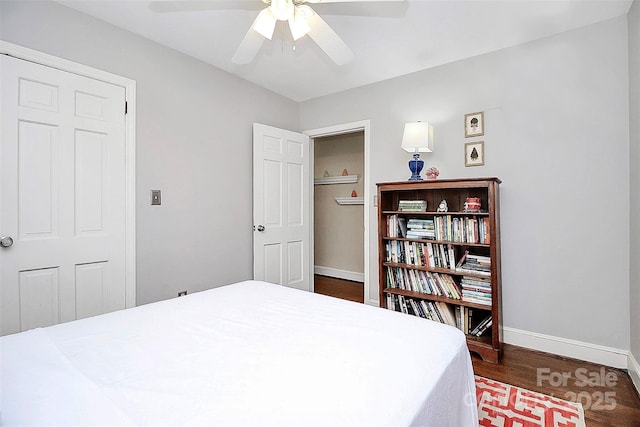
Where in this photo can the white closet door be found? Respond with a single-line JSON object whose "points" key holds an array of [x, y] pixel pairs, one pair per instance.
{"points": [[62, 196]]}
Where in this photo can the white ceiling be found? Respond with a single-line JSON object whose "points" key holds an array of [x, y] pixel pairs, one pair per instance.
{"points": [[389, 39]]}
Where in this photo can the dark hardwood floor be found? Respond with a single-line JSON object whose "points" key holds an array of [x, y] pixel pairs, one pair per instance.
{"points": [[607, 394], [345, 289]]}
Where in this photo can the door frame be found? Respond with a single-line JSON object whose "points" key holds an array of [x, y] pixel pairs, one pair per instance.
{"points": [[341, 129], [21, 52]]}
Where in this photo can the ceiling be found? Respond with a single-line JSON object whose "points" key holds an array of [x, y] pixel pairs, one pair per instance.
{"points": [[388, 38]]}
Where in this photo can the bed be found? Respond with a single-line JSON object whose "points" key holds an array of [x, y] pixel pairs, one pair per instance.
{"points": [[246, 354]]}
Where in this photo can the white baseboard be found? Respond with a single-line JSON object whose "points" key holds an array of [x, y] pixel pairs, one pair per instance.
{"points": [[339, 274], [595, 353], [634, 371]]}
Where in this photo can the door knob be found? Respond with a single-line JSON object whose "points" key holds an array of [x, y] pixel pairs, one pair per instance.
{"points": [[6, 241], [261, 228]]}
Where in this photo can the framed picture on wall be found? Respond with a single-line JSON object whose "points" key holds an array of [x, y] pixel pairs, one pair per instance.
{"points": [[474, 124], [474, 153]]}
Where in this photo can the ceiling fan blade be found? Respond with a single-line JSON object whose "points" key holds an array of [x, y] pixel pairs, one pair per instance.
{"points": [[248, 48], [265, 23], [328, 40], [261, 29]]}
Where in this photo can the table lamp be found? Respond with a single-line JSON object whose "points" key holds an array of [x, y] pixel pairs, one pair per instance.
{"points": [[417, 138]]}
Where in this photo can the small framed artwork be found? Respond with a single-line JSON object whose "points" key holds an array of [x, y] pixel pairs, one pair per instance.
{"points": [[474, 153], [474, 124]]}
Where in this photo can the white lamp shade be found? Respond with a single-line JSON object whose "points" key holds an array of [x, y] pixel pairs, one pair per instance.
{"points": [[417, 137]]}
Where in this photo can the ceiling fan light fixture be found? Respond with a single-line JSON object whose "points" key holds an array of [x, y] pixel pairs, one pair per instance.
{"points": [[283, 10], [298, 26], [265, 23]]}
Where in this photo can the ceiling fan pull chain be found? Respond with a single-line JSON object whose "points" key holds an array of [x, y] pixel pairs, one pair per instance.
{"points": [[281, 39]]}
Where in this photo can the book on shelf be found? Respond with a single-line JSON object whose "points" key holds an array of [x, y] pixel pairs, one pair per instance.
{"points": [[485, 328], [420, 229], [476, 284], [482, 327], [420, 224], [448, 313], [391, 302], [412, 205], [462, 259], [451, 255], [402, 226], [427, 311], [473, 263], [464, 317], [430, 257], [417, 308], [476, 299], [420, 234], [403, 304], [476, 290], [392, 226]]}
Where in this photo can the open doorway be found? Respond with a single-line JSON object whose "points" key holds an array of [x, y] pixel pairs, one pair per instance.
{"points": [[340, 210], [339, 215]]}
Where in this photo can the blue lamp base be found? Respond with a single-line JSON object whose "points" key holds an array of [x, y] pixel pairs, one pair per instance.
{"points": [[415, 166]]}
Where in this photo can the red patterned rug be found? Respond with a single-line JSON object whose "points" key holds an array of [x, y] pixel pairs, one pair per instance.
{"points": [[504, 405]]}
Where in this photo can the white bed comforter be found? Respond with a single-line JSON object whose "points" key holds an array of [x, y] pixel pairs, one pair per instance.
{"points": [[248, 354]]}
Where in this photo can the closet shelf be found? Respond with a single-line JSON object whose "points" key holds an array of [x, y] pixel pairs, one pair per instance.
{"points": [[345, 179], [350, 200]]}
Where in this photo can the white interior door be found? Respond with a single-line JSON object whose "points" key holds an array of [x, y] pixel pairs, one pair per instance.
{"points": [[281, 213], [62, 196]]}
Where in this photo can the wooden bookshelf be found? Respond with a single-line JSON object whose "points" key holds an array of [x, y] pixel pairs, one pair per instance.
{"points": [[413, 270]]}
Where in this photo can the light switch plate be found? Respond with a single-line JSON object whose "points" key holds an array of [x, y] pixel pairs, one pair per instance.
{"points": [[156, 197]]}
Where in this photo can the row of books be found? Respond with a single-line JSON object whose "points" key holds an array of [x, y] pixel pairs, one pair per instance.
{"points": [[422, 254], [465, 321], [436, 255], [441, 227], [412, 205], [425, 282], [476, 290], [433, 310], [462, 229], [456, 316], [474, 263]]}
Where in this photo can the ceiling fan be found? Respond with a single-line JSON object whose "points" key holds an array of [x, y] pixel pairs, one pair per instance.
{"points": [[303, 20]]}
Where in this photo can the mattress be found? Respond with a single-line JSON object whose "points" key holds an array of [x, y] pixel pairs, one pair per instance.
{"points": [[246, 354]]}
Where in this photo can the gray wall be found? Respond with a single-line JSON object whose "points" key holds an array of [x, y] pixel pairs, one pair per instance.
{"points": [[557, 132], [634, 126], [193, 143]]}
